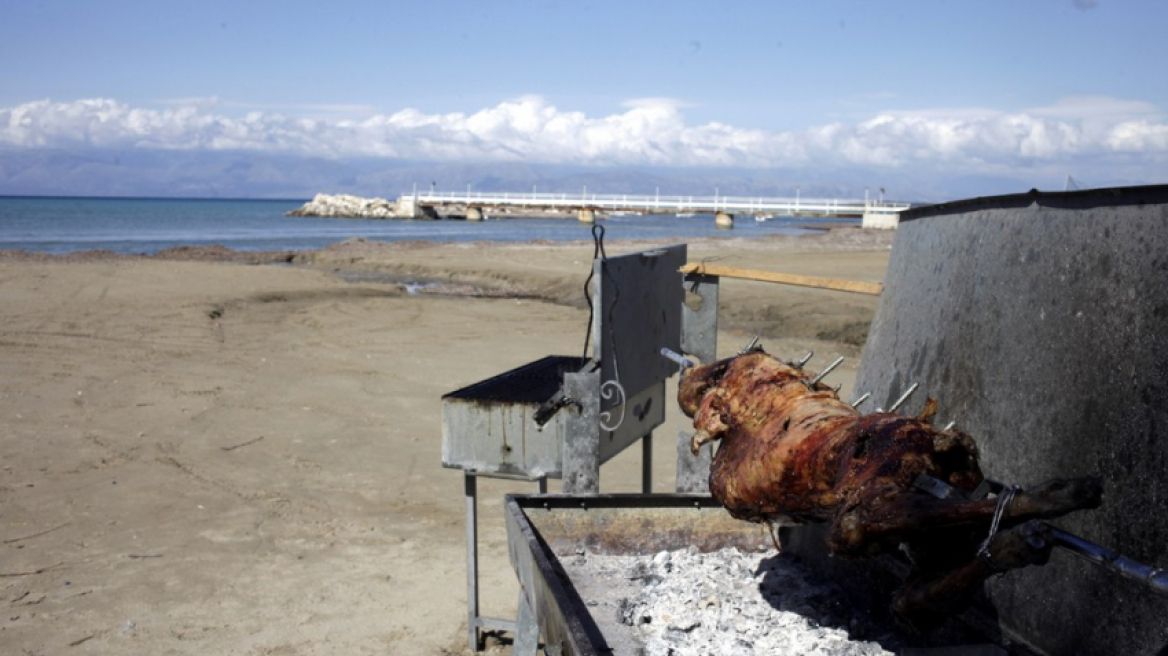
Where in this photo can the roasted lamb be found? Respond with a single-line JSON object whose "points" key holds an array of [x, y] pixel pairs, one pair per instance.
{"points": [[792, 452]]}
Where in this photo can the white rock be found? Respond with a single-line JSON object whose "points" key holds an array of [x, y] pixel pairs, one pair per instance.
{"points": [[344, 205]]}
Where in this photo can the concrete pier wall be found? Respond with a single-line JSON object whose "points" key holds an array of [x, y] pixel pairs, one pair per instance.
{"points": [[406, 207], [880, 220]]}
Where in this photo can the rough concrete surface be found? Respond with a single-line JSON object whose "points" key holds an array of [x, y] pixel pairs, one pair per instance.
{"points": [[1043, 332]]}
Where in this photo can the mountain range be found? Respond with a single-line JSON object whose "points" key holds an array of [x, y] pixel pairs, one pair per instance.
{"points": [[246, 174]]}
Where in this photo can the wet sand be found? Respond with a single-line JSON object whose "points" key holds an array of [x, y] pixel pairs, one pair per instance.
{"points": [[204, 453]]}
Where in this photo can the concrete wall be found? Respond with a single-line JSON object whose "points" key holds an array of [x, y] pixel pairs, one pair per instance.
{"points": [[880, 220], [1040, 322], [407, 208]]}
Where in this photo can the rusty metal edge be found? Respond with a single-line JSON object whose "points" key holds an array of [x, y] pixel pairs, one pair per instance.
{"points": [[629, 500]]}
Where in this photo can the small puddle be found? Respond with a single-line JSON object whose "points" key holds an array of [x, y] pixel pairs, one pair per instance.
{"points": [[415, 288], [426, 287]]}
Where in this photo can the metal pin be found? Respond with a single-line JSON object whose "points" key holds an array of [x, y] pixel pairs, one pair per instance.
{"points": [[904, 397], [823, 374], [749, 347], [863, 397], [681, 360], [799, 364], [949, 426]]}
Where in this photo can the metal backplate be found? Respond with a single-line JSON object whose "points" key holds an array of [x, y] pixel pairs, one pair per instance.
{"points": [[638, 311], [641, 414]]}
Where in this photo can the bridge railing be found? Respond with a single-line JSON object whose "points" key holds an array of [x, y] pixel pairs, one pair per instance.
{"points": [[633, 202]]}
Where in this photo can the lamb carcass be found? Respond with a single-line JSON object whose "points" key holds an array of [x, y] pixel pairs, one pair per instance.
{"points": [[794, 453]]}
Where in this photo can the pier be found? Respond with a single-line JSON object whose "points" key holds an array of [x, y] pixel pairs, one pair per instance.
{"points": [[476, 205]]}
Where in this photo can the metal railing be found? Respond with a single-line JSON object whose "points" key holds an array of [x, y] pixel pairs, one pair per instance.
{"points": [[658, 204]]}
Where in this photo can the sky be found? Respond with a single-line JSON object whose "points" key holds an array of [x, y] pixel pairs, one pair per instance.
{"points": [[1024, 91]]}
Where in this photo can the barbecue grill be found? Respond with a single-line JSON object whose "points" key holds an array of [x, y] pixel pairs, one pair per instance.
{"points": [[571, 611], [563, 416]]}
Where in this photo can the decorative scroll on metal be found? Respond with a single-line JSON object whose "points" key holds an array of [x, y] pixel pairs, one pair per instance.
{"points": [[611, 390]]}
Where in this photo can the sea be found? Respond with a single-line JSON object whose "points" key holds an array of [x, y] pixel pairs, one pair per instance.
{"points": [[148, 225]]}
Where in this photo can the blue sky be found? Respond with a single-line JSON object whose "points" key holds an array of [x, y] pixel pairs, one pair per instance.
{"points": [[1019, 88]]}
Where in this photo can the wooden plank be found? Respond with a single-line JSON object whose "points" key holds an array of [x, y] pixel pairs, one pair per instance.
{"points": [[837, 284]]}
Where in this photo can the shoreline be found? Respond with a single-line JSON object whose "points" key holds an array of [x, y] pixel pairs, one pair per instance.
{"points": [[818, 237]]}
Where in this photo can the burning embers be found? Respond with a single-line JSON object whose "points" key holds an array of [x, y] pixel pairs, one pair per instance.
{"points": [[792, 452]]}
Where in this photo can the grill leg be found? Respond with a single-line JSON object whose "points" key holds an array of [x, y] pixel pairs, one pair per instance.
{"points": [[472, 560], [647, 464], [581, 447], [699, 336], [526, 629]]}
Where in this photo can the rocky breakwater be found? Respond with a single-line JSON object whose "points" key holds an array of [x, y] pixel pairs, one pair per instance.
{"points": [[350, 207]]}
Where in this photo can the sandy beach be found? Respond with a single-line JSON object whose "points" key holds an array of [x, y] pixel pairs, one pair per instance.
{"points": [[207, 453]]}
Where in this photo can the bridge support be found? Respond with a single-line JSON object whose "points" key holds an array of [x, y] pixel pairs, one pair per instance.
{"points": [[881, 220], [474, 214], [407, 208], [587, 216], [724, 220]]}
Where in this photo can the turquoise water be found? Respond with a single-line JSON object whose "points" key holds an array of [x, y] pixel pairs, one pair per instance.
{"points": [[147, 225]]}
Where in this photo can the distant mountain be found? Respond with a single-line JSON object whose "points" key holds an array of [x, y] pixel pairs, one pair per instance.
{"points": [[219, 174]]}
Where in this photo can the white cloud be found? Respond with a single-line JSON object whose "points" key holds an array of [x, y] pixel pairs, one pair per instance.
{"points": [[658, 101], [649, 131], [1139, 136]]}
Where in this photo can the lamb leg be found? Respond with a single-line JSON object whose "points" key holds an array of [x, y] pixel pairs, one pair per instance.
{"points": [[868, 527], [926, 600]]}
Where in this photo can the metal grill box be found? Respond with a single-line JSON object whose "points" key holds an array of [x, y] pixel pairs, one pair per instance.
{"points": [[489, 427]]}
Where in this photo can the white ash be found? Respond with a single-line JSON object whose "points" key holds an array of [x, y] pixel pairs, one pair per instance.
{"points": [[729, 602]]}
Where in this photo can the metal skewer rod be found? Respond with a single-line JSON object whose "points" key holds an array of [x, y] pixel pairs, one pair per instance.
{"points": [[949, 426], [863, 397], [1153, 577], [823, 374], [681, 360], [749, 347], [904, 397], [807, 358]]}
